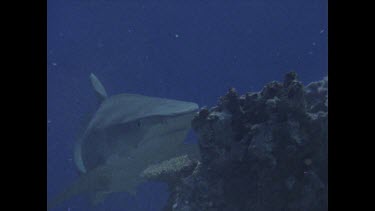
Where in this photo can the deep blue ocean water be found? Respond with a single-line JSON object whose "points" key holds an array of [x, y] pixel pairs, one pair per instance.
{"points": [[188, 50]]}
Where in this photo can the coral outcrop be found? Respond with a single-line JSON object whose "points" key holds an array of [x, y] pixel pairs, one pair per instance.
{"points": [[260, 151], [170, 171]]}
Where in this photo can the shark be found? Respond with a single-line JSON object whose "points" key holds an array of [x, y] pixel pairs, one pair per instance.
{"points": [[128, 133]]}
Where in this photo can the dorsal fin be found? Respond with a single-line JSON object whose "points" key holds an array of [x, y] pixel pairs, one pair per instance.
{"points": [[98, 88]]}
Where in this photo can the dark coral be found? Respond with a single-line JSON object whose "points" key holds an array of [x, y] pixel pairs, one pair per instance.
{"points": [[261, 151]]}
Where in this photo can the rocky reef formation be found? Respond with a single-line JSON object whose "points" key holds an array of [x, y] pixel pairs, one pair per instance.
{"points": [[170, 171], [261, 151]]}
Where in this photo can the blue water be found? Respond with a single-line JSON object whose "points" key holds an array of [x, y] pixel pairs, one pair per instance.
{"points": [[188, 50]]}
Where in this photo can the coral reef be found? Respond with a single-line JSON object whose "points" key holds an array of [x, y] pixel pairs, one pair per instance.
{"points": [[260, 151], [171, 170]]}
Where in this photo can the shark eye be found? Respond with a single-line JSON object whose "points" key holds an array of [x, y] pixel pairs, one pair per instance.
{"points": [[139, 124]]}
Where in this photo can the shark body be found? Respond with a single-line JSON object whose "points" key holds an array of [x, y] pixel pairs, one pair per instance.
{"points": [[127, 134]]}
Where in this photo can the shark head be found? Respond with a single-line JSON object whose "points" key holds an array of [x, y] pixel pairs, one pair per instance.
{"points": [[124, 122], [128, 133]]}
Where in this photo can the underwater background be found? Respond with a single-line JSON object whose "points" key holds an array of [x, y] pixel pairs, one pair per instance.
{"points": [[187, 50]]}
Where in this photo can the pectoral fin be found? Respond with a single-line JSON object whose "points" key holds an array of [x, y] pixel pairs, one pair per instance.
{"points": [[90, 182]]}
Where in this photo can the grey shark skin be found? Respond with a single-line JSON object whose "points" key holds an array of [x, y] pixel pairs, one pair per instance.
{"points": [[128, 133]]}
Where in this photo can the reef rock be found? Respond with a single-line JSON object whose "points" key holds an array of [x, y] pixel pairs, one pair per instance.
{"points": [[170, 170], [260, 151]]}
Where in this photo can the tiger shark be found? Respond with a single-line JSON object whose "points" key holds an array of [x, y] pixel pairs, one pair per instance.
{"points": [[128, 133]]}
